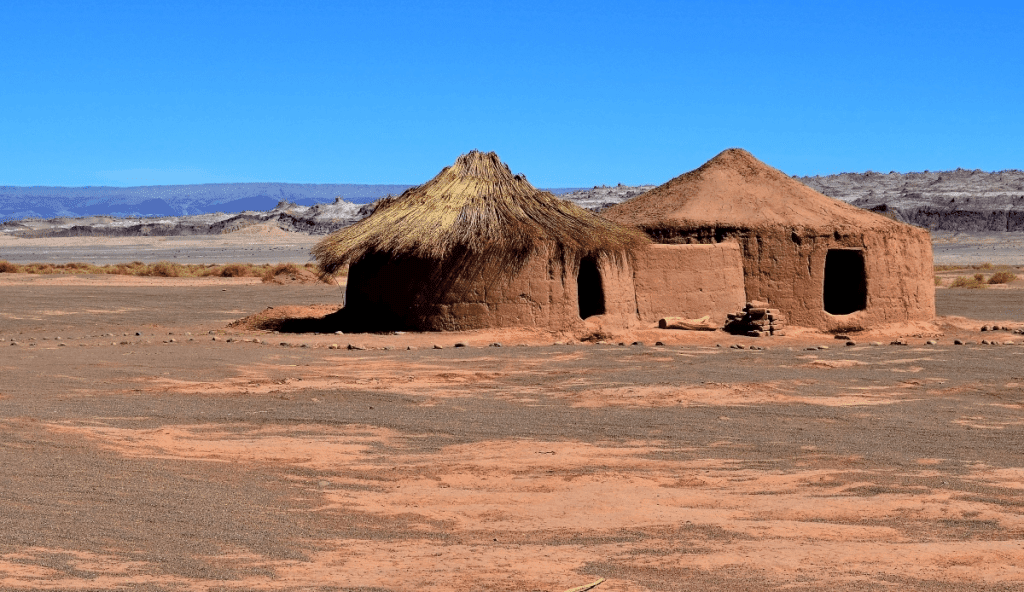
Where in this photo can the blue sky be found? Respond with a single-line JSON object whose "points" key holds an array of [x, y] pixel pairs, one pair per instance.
{"points": [[569, 93]]}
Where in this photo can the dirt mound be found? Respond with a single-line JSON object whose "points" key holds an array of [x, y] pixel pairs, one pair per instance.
{"points": [[737, 190], [317, 318]]}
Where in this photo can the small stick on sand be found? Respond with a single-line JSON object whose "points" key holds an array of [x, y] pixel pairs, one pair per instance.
{"points": [[585, 587]]}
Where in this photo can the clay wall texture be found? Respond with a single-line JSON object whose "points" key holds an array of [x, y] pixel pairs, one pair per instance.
{"points": [[787, 269], [418, 295], [689, 281]]}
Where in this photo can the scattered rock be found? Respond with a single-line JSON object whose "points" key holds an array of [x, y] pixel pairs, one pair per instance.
{"points": [[851, 343], [436, 346], [356, 346], [931, 342], [822, 347], [957, 342], [843, 337], [659, 343], [461, 344], [638, 343], [495, 344]]}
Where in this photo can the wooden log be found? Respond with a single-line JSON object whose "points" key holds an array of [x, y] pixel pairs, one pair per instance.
{"points": [[702, 324]]}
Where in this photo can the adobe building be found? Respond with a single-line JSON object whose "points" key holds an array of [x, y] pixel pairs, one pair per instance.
{"points": [[824, 263], [478, 247]]}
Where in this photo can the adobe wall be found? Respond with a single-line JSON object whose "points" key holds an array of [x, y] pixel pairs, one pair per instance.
{"points": [[689, 281], [415, 294], [786, 267]]}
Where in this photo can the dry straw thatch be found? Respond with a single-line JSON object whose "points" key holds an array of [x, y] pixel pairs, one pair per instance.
{"points": [[476, 211]]}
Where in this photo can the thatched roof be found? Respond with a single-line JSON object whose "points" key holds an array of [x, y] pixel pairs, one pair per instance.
{"points": [[476, 209], [735, 190]]}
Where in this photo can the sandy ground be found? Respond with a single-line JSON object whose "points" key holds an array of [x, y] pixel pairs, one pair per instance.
{"points": [[263, 244], [140, 451], [245, 246]]}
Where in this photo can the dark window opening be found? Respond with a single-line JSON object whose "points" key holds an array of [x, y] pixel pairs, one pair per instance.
{"points": [[846, 284], [590, 289]]}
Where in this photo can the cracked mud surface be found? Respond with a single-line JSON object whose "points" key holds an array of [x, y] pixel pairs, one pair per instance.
{"points": [[197, 465]]}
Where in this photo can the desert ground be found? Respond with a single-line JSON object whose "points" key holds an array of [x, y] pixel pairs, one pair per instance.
{"points": [[149, 441]]}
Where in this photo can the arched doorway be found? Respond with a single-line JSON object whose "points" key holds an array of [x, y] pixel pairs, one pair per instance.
{"points": [[590, 288], [846, 283]]}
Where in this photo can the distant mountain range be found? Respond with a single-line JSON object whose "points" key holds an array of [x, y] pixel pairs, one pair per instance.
{"points": [[960, 200], [17, 203], [176, 200]]}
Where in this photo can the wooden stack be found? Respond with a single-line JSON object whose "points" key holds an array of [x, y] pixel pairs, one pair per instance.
{"points": [[756, 320]]}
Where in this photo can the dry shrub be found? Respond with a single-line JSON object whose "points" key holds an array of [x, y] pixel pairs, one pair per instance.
{"points": [[233, 270], [967, 282], [1002, 277], [164, 269], [985, 265], [274, 271], [938, 281], [8, 267], [41, 268]]}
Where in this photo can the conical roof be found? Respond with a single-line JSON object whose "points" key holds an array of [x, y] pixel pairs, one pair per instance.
{"points": [[735, 190], [475, 209]]}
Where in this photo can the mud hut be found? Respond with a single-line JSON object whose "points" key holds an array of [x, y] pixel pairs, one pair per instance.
{"points": [[478, 247], [824, 263]]}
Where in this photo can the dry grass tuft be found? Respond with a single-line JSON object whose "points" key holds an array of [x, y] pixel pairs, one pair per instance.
{"points": [[478, 212], [1002, 277], [967, 282], [274, 271]]}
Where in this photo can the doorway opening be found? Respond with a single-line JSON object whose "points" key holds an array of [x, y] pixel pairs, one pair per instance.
{"points": [[846, 282], [590, 288]]}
